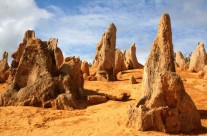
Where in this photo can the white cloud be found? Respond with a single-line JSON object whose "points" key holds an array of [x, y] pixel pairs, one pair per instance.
{"points": [[17, 16], [79, 29]]}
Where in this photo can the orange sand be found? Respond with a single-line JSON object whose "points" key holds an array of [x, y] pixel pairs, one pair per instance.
{"points": [[106, 119]]}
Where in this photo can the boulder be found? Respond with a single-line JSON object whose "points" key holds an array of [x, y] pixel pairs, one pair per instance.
{"points": [[39, 82], [124, 96], [198, 59], [96, 99], [131, 61], [180, 61], [104, 62], [164, 104]]}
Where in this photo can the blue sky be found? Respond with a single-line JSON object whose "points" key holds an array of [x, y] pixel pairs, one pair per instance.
{"points": [[79, 24]]}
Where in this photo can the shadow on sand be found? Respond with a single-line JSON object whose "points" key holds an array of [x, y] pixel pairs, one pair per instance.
{"points": [[203, 114]]}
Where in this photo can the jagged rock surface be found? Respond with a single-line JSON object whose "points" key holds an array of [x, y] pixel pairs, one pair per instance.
{"points": [[180, 61], [85, 70], [198, 59], [164, 105], [29, 34], [58, 55], [131, 61], [119, 62], [4, 67], [105, 55], [37, 79]]}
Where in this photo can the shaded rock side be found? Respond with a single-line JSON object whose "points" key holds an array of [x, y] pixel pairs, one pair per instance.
{"points": [[180, 61], [164, 105], [29, 34], [119, 62], [131, 61], [4, 63], [71, 68], [4, 67], [132, 80], [104, 62], [85, 69], [58, 55], [198, 59], [35, 62], [37, 81]]}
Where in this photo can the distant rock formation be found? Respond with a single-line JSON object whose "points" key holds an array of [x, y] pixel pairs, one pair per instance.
{"points": [[164, 105], [105, 55], [4, 67], [198, 59], [42, 78], [119, 62], [180, 61], [131, 58], [85, 69]]}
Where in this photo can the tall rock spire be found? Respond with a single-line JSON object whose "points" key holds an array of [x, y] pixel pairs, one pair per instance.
{"points": [[105, 55], [164, 105]]}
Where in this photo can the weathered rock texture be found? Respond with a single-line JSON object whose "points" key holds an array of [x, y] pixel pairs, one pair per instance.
{"points": [[205, 72], [105, 55], [198, 59], [52, 45], [42, 78], [180, 61], [4, 67], [29, 34], [119, 62], [131, 61], [164, 104], [85, 69], [132, 80]]}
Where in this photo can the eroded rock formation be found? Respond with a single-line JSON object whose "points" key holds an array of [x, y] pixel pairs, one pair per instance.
{"points": [[198, 59], [119, 62], [42, 78], [4, 67], [105, 55], [164, 105], [85, 69], [180, 60], [52, 45], [131, 61]]}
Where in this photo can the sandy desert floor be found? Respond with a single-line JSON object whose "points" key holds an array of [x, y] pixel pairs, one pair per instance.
{"points": [[98, 120]]}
